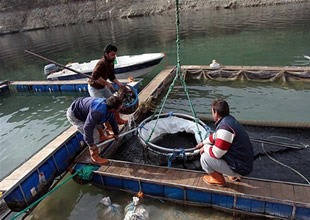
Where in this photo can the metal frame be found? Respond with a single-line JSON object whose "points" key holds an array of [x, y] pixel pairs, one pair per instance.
{"points": [[163, 149]]}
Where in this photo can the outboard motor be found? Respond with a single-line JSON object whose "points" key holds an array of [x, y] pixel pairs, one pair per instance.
{"points": [[50, 68]]}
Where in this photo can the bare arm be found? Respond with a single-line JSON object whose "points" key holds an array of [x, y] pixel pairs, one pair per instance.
{"points": [[118, 83]]}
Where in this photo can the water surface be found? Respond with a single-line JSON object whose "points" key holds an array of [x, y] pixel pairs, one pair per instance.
{"points": [[275, 36]]}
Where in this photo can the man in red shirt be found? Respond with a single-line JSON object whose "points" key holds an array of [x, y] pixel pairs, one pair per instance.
{"points": [[98, 86]]}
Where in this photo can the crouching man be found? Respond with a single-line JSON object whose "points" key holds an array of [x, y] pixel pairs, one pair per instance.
{"points": [[228, 150], [88, 115]]}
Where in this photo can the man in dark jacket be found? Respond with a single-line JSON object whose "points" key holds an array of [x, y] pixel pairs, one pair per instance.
{"points": [[228, 150], [88, 114]]}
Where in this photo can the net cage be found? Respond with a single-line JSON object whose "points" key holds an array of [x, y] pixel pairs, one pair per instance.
{"points": [[172, 123], [130, 100], [262, 74]]}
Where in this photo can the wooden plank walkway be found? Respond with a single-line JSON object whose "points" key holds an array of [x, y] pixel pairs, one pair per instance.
{"points": [[157, 84], [284, 193]]}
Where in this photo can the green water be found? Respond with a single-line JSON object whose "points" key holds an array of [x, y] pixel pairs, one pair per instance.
{"points": [[265, 101], [275, 36]]}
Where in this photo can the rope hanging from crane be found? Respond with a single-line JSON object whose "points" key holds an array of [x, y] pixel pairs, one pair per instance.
{"points": [[177, 76]]}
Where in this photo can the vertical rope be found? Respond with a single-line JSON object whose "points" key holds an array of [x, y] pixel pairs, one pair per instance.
{"points": [[178, 75], [177, 23], [177, 18]]}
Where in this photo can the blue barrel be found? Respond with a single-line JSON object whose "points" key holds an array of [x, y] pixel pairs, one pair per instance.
{"points": [[73, 146], [67, 88], [80, 136], [38, 88], [22, 88], [81, 88], [52, 88], [62, 159]]}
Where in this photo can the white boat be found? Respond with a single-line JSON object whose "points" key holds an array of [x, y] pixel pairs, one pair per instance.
{"points": [[307, 55], [125, 66]]}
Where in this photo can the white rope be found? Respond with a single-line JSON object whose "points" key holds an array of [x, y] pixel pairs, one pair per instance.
{"points": [[285, 165]]}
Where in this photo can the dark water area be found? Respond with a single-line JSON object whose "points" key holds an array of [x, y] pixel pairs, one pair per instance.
{"points": [[285, 163], [179, 140]]}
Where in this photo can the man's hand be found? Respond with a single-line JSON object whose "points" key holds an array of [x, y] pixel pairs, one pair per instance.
{"points": [[199, 146], [115, 137], [202, 150], [91, 81], [123, 87], [108, 85]]}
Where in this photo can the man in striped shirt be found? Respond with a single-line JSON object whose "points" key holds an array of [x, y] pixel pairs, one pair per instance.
{"points": [[228, 150]]}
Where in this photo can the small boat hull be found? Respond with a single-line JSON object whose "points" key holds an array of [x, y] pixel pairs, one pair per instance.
{"points": [[122, 69]]}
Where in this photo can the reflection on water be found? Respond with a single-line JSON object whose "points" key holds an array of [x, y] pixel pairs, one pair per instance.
{"points": [[248, 100], [272, 36]]}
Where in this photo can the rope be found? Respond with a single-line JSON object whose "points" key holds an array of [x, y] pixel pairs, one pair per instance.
{"points": [[175, 154], [178, 75], [278, 162], [294, 146], [86, 173]]}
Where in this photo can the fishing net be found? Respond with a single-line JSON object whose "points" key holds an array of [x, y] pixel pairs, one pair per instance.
{"points": [[233, 73], [130, 100], [87, 172]]}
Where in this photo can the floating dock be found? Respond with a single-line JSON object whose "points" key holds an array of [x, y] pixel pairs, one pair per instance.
{"points": [[32, 179], [273, 199], [249, 196]]}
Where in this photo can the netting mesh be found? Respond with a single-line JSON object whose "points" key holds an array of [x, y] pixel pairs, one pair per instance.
{"points": [[250, 75], [86, 172]]}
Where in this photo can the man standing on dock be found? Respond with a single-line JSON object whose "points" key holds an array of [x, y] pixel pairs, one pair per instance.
{"points": [[98, 86], [228, 150], [87, 114]]}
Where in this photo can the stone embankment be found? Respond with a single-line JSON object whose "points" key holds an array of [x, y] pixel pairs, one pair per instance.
{"points": [[21, 15]]}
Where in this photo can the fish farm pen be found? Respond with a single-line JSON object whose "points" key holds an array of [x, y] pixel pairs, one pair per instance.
{"points": [[168, 168]]}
